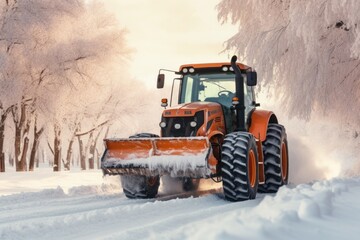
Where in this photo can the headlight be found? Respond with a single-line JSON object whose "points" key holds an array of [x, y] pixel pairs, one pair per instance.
{"points": [[193, 124], [177, 126], [162, 124]]}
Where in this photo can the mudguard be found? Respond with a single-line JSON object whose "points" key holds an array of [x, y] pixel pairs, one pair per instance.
{"points": [[260, 120]]}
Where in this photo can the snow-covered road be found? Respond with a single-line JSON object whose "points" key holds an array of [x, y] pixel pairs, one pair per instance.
{"points": [[327, 209]]}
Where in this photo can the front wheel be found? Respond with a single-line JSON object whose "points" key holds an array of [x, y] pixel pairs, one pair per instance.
{"points": [[144, 135], [239, 160], [138, 186]]}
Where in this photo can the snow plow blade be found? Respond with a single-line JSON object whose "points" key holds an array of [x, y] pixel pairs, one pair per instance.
{"points": [[178, 157]]}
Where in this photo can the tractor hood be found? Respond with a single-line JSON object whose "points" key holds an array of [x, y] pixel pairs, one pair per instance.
{"points": [[190, 109]]}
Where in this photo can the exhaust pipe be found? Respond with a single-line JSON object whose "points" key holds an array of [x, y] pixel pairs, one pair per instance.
{"points": [[239, 86]]}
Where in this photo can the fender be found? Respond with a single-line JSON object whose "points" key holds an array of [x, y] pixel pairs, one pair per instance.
{"points": [[214, 133], [260, 120]]}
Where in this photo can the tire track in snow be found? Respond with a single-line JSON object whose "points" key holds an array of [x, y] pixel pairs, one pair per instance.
{"points": [[59, 215], [293, 213]]}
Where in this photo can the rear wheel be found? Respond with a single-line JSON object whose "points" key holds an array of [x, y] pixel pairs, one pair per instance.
{"points": [[137, 186], [276, 159], [239, 166]]}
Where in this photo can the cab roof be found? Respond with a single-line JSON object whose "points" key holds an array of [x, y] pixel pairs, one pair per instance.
{"points": [[213, 65]]}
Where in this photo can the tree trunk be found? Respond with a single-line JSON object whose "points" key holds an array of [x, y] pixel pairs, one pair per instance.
{"points": [[34, 148], [92, 155], [57, 149], [32, 155], [22, 126], [91, 162], [82, 154], [17, 147], [22, 163], [11, 160], [85, 151], [2, 162], [2, 136], [70, 151], [69, 154], [93, 150], [90, 146]]}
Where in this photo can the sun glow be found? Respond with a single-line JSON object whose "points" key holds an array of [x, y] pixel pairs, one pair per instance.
{"points": [[166, 34]]}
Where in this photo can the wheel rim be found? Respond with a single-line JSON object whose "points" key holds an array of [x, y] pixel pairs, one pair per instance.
{"points": [[252, 168], [284, 162]]}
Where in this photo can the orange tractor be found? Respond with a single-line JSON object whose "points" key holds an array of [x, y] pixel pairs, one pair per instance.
{"points": [[216, 131]]}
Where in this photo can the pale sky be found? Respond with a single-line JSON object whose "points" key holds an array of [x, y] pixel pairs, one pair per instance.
{"points": [[169, 33]]}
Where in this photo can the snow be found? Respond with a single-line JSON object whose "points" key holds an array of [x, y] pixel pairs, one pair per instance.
{"points": [[173, 165], [84, 205]]}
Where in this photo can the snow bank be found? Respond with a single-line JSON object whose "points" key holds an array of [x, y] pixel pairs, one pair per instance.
{"points": [[326, 209], [323, 210]]}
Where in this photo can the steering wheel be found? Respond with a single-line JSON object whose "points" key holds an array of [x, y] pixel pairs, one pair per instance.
{"points": [[227, 92]]}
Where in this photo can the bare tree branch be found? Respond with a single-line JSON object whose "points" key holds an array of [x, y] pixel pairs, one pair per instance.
{"points": [[91, 130], [51, 149]]}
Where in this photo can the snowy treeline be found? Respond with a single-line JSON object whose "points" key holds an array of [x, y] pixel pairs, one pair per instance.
{"points": [[60, 67], [308, 52]]}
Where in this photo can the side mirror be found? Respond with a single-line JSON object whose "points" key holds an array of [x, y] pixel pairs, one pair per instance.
{"points": [[251, 79], [160, 80]]}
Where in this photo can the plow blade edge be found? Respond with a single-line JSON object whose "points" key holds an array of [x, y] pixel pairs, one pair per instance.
{"points": [[178, 157]]}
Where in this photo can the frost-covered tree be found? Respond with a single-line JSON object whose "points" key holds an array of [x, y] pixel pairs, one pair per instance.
{"points": [[55, 59], [98, 45], [307, 52], [26, 27]]}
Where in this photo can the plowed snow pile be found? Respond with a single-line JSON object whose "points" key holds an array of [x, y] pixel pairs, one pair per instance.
{"points": [[70, 206]]}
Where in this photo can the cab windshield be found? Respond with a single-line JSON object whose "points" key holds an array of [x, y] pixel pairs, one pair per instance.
{"points": [[219, 87]]}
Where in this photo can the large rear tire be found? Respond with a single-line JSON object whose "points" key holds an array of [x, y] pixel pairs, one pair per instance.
{"points": [[276, 159], [239, 159], [137, 186]]}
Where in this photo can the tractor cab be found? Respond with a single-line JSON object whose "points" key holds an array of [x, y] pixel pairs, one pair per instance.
{"points": [[219, 88], [216, 83]]}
